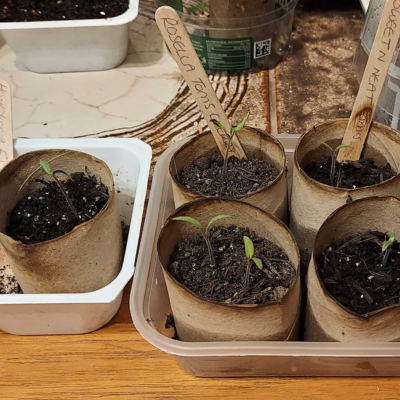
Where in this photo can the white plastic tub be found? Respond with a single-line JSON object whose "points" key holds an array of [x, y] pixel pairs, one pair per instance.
{"points": [[149, 305], [76, 313], [71, 46]]}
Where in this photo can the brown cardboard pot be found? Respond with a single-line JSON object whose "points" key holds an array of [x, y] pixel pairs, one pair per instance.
{"points": [[326, 319], [85, 259], [257, 145], [312, 202], [200, 320]]}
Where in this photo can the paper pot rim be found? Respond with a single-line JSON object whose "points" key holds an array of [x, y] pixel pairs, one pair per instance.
{"points": [[328, 188], [81, 226], [354, 203], [196, 138], [216, 303]]}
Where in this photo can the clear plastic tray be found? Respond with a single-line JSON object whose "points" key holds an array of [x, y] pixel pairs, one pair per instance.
{"points": [[149, 305]]}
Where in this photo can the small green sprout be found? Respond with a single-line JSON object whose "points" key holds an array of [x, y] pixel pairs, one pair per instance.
{"points": [[249, 248], [334, 155], [197, 7], [388, 243], [205, 232], [46, 167], [230, 135]]}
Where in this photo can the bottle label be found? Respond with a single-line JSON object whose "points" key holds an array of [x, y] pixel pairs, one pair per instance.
{"points": [[225, 54]]}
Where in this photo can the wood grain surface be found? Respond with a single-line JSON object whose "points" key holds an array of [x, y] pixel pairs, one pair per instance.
{"points": [[116, 363]]}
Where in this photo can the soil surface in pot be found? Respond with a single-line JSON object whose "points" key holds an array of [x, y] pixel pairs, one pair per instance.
{"points": [[350, 175], [46, 215], [55, 10], [225, 282], [359, 275], [205, 176]]}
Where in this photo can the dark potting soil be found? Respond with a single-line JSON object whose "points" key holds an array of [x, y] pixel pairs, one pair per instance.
{"points": [[8, 283], [225, 282], [55, 10], [205, 176], [349, 175], [46, 215], [356, 272], [170, 324]]}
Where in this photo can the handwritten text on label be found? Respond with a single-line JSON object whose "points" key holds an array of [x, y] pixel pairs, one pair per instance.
{"points": [[197, 84], [376, 77]]}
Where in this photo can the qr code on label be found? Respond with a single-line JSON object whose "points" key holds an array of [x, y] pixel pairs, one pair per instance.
{"points": [[262, 49]]}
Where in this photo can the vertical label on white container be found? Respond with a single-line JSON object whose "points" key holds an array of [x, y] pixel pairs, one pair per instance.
{"points": [[224, 54]]}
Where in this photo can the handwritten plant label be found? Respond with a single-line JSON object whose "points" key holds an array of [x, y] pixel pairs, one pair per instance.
{"points": [[383, 48], [6, 143], [186, 57]]}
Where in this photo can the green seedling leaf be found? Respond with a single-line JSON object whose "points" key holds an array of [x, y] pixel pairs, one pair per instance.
{"points": [[342, 146], [216, 122], [328, 147], [45, 165], [242, 124], [198, 7], [191, 220], [217, 218], [389, 242], [258, 262], [249, 247]]}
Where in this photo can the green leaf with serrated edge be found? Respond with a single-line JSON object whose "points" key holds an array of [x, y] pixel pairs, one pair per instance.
{"points": [[342, 146], [249, 247], [191, 220], [45, 165], [215, 122], [217, 218], [258, 262], [242, 124], [389, 242]]}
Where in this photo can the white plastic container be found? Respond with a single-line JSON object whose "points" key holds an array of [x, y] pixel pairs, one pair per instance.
{"points": [[77, 313], [71, 46], [149, 305]]}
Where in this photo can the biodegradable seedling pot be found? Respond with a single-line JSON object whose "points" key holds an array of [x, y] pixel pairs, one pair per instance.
{"points": [[312, 202], [326, 319], [83, 260], [257, 145], [201, 320]]}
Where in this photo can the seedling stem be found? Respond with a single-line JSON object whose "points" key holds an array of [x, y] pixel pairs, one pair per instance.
{"points": [[46, 167], [205, 232], [230, 135], [249, 248]]}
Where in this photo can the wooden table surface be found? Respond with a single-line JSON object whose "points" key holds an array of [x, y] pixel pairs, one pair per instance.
{"points": [[116, 363]]}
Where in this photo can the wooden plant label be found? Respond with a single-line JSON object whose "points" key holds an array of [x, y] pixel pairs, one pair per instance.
{"points": [[385, 44], [192, 70], [6, 137]]}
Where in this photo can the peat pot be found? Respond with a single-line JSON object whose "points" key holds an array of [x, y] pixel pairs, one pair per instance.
{"points": [[326, 319], [257, 145], [312, 202], [200, 320], [83, 260]]}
